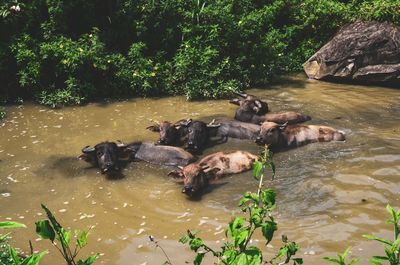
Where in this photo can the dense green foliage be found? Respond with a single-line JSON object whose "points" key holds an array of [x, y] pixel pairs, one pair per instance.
{"points": [[66, 52]]}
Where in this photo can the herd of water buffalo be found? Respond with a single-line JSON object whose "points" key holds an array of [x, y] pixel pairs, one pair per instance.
{"points": [[181, 141]]}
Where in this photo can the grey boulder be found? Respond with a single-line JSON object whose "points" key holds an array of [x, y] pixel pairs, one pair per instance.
{"points": [[361, 52]]}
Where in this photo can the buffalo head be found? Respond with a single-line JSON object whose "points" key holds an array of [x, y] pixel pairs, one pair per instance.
{"points": [[251, 104], [198, 134], [170, 133], [105, 155], [195, 178], [270, 133]]}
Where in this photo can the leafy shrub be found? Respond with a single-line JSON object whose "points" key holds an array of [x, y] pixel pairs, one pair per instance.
{"points": [[66, 52]]}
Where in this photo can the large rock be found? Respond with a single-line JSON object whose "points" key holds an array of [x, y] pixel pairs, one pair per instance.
{"points": [[361, 51]]}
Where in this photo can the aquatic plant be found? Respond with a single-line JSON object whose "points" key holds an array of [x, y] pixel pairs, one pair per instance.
{"points": [[47, 229], [9, 255], [391, 247], [52, 230]]}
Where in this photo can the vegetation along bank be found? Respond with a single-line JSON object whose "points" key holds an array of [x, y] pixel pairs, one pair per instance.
{"points": [[69, 52]]}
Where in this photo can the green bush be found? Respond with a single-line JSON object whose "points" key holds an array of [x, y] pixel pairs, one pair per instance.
{"points": [[67, 52]]}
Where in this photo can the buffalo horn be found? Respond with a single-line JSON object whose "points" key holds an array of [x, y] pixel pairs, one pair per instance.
{"points": [[282, 126], [87, 150], [243, 95], [213, 125], [121, 144], [186, 122], [258, 103]]}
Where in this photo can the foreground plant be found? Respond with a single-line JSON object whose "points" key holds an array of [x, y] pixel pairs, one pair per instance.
{"points": [[341, 260], [52, 230], [9, 255], [392, 248], [258, 206]]}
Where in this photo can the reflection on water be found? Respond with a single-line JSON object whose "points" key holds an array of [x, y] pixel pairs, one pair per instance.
{"points": [[329, 194]]}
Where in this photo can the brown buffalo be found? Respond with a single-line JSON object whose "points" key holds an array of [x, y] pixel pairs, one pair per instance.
{"points": [[257, 105], [197, 176], [289, 136], [249, 111]]}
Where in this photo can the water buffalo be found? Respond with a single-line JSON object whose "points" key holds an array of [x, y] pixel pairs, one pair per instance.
{"points": [[105, 155], [290, 136], [197, 176], [257, 105], [170, 133], [160, 154], [249, 112], [108, 155], [198, 134], [234, 129]]}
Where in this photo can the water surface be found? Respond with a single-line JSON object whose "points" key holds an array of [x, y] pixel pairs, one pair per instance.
{"points": [[329, 194]]}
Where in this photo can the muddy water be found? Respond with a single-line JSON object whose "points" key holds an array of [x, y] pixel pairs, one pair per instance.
{"points": [[329, 194]]}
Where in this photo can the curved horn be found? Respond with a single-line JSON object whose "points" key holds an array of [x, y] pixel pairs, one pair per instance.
{"points": [[243, 95], [87, 150], [213, 125], [205, 167], [186, 122], [258, 103], [120, 143], [281, 126]]}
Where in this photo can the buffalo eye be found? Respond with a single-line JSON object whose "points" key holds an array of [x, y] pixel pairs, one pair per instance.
{"points": [[99, 153], [190, 130]]}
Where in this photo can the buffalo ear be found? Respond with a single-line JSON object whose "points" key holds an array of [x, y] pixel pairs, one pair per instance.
{"points": [[176, 175], [126, 152], [235, 101], [154, 128]]}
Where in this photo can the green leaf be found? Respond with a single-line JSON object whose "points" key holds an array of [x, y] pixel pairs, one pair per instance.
{"points": [[378, 239], [298, 261], [7, 225], [34, 259], [268, 230], [57, 227], [380, 257], [257, 169], [14, 256], [66, 236], [199, 258], [184, 239], [268, 197], [89, 261], [375, 262], [195, 244], [229, 255], [240, 239], [81, 241], [45, 230], [331, 260]]}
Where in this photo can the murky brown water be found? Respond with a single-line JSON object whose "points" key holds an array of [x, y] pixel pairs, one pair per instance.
{"points": [[329, 194]]}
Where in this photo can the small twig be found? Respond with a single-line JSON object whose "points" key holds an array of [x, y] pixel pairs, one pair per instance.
{"points": [[31, 247], [152, 239]]}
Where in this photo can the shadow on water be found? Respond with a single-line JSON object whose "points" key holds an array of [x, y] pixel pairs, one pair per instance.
{"points": [[72, 167], [213, 187]]}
